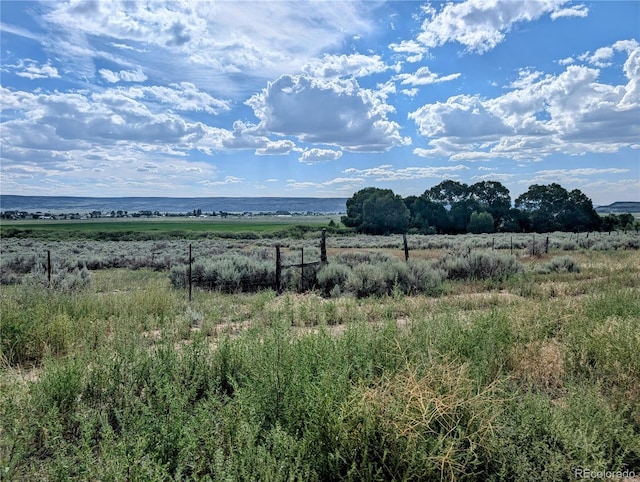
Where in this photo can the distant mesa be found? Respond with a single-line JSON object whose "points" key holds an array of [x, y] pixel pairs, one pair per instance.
{"points": [[620, 207]]}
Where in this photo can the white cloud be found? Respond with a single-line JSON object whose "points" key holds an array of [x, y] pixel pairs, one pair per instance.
{"points": [[184, 96], [573, 11], [277, 148], [336, 112], [354, 65], [225, 181], [570, 113], [65, 122], [414, 50], [410, 92], [316, 155], [478, 25], [387, 172], [124, 75], [30, 69], [423, 76], [340, 186], [572, 177], [208, 39], [603, 56]]}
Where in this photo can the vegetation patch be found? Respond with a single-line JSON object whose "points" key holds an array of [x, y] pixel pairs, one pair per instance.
{"points": [[481, 379]]}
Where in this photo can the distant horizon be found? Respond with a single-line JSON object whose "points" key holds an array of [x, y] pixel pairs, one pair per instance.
{"points": [[176, 197], [207, 99], [230, 197]]}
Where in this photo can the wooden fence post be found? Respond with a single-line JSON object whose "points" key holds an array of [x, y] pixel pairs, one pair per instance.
{"points": [[49, 267], [190, 273], [546, 246], [278, 268], [301, 269], [406, 247], [512, 244], [533, 244], [323, 246]]}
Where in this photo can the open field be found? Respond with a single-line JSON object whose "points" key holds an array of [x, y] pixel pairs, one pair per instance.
{"points": [[155, 228], [533, 375]]}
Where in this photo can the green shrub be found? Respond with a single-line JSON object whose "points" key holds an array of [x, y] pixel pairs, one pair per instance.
{"points": [[367, 280], [333, 275], [426, 423], [479, 265], [560, 264], [61, 278], [229, 274], [426, 278]]}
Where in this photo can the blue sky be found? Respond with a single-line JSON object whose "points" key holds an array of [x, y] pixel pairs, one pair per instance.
{"points": [[322, 99]]}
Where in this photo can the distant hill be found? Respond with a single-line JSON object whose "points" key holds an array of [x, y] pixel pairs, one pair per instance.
{"points": [[620, 207]]}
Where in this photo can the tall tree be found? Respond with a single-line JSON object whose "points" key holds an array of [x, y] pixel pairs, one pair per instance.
{"points": [[493, 198], [384, 213], [355, 205], [448, 193], [427, 215], [544, 205], [552, 208], [480, 223], [376, 211], [580, 214]]}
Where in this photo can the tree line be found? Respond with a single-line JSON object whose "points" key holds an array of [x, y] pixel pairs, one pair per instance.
{"points": [[452, 207]]}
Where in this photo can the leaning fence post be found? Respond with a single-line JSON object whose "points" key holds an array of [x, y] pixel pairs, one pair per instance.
{"points": [[190, 276], [406, 247], [278, 268]]}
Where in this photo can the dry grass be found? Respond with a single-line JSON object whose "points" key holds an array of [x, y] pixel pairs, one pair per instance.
{"points": [[539, 365]]}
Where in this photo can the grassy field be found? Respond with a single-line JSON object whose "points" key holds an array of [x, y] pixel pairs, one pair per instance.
{"points": [[156, 228], [535, 376]]}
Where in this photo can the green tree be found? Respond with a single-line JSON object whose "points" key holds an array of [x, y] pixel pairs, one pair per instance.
{"points": [[384, 213], [454, 197], [480, 222], [355, 204], [448, 193], [580, 214], [552, 208], [493, 198], [426, 215], [543, 205], [376, 211]]}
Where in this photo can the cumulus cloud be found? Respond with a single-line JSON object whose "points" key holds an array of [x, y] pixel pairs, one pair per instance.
{"points": [[316, 155], [479, 25], [30, 69], [62, 122], [276, 148], [424, 76], [354, 65], [124, 75], [333, 111], [570, 112], [603, 56], [184, 96], [387, 172]]}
